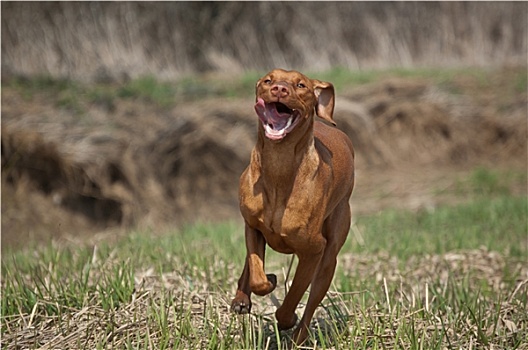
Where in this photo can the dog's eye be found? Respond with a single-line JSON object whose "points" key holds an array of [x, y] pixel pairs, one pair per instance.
{"points": [[267, 81], [301, 85]]}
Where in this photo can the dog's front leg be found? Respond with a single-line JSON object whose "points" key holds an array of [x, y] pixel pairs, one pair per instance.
{"points": [[259, 282], [253, 278], [241, 304]]}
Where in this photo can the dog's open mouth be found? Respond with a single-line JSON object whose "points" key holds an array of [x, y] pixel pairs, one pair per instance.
{"points": [[277, 118]]}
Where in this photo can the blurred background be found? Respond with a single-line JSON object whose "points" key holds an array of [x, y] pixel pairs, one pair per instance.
{"points": [[119, 115], [100, 41]]}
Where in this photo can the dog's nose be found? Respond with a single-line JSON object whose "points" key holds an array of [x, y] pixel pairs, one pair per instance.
{"points": [[280, 89]]}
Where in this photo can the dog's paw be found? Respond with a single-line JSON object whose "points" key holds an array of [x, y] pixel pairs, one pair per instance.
{"points": [[240, 308], [284, 323], [241, 304], [272, 279], [264, 287]]}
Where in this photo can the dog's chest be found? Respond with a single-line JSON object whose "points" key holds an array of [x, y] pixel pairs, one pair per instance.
{"points": [[282, 220], [279, 228]]}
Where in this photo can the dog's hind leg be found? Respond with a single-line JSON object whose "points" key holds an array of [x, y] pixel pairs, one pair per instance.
{"points": [[335, 230], [308, 262]]}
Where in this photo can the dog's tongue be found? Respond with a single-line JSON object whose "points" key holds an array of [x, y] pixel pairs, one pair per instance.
{"points": [[268, 114]]}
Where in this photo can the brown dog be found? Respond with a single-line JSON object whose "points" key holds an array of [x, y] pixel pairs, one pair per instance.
{"points": [[294, 194]]}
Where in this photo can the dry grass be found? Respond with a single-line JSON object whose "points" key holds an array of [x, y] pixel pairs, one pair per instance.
{"points": [[119, 41], [455, 300], [404, 280]]}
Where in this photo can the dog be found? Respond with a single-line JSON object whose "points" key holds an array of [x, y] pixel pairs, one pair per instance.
{"points": [[294, 195]]}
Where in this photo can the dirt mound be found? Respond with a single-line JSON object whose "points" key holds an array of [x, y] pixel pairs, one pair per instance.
{"points": [[136, 164], [152, 168], [417, 122]]}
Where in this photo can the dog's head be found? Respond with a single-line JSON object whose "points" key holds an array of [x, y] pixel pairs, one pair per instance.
{"points": [[287, 99]]}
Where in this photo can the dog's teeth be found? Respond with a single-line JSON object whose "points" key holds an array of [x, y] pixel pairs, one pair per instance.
{"points": [[290, 119], [269, 129], [278, 132]]}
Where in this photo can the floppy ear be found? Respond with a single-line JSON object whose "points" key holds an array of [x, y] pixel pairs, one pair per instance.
{"points": [[324, 92], [256, 88]]}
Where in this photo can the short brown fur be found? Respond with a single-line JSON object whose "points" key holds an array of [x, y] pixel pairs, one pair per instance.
{"points": [[294, 196]]}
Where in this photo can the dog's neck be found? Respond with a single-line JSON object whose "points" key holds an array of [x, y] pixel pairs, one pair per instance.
{"points": [[280, 161]]}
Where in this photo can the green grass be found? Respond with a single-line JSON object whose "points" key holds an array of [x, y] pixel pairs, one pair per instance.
{"points": [[481, 224], [449, 278], [78, 97], [485, 182], [149, 90], [345, 78]]}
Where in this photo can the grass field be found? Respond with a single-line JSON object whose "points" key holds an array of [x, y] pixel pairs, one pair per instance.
{"points": [[455, 277], [76, 97]]}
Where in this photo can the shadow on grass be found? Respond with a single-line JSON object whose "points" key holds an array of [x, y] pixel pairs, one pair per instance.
{"points": [[327, 330]]}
